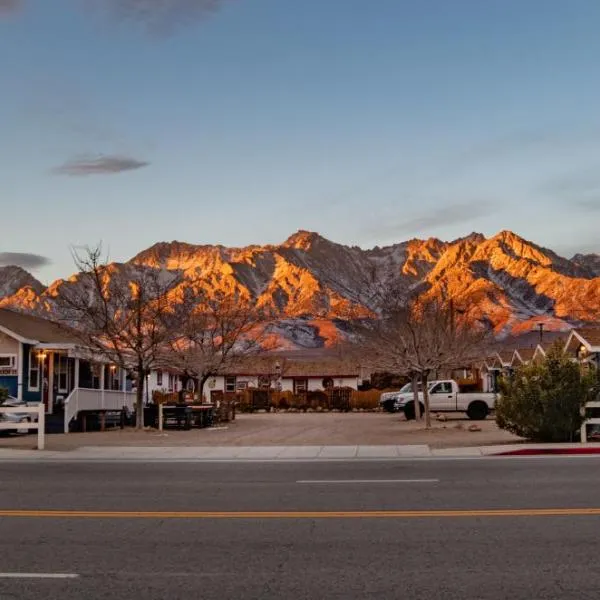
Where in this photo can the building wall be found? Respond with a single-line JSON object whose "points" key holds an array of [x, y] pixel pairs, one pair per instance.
{"points": [[287, 383], [8, 345], [315, 384], [9, 380], [165, 385], [216, 384]]}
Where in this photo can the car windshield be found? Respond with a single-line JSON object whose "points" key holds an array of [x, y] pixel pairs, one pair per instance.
{"points": [[408, 388]]}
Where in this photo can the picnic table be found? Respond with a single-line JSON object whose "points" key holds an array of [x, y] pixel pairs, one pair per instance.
{"points": [[182, 416]]}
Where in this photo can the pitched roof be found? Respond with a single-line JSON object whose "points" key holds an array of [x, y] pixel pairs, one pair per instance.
{"points": [[590, 334], [525, 354], [505, 356], [265, 365], [35, 329]]}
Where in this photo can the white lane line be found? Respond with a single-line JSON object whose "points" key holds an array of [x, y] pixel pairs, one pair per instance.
{"points": [[368, 481], [39, 575]]}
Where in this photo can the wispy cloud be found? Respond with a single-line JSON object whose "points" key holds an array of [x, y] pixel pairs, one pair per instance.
{"points": [[581, 188], [439, 216], [589, 204], [9, 7], [24, 260], [160, 16], [101, 165]]}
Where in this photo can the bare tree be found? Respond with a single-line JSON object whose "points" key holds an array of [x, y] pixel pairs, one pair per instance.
{"points": [[122, 313], [421, 338], [214, 334]]}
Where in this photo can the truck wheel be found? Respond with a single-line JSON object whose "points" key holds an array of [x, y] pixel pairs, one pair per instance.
{"points": [[389, 406], [409, 411], [477, 410]]}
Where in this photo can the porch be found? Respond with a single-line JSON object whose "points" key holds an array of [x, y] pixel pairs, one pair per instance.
{"points": [[69, 383]]}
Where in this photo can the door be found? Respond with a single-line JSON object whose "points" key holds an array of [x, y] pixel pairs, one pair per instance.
{"points": [[441, 397]]}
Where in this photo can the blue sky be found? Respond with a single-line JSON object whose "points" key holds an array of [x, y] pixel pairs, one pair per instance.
{"points": [[370, 121]]}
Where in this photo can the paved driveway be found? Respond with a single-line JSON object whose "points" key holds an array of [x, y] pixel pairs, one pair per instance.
{"points": [[291, 429]]}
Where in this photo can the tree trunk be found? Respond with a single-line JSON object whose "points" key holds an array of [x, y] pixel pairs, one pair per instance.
{"points": [[201, 381], [139, 399], [426, 400], [417, 402]]}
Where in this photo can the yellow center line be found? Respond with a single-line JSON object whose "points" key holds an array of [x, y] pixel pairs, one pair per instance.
{"points": [[367, 514]]}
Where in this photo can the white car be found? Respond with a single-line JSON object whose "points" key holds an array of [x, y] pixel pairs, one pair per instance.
{"points": [[392, 401], [19, 419]]}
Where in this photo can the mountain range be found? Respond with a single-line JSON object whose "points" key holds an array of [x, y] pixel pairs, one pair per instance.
{"points": [[316, 285]]}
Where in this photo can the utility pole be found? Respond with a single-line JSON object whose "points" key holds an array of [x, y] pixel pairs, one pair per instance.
{"points": [[541, 331]]}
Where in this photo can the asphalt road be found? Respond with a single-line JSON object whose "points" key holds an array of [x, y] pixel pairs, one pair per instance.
{"points": [[487, 529]]}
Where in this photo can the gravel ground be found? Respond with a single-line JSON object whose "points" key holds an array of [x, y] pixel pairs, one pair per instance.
{"points": [[292, 429]]}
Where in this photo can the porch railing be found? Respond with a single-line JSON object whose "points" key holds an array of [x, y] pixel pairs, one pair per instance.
{"points": [[85, 399]]}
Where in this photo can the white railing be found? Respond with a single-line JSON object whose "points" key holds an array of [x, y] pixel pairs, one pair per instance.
{"points": [[84, 399], [39, 424], [592, 421]]}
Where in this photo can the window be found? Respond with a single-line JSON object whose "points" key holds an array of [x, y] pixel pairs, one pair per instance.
{"points": [[327, 383], [300, 386], [230, 384], [159, 378], [172, 382], [8, 364], [34, 372], [112, 379], [264, 382], [62, 372], [445, 387]]}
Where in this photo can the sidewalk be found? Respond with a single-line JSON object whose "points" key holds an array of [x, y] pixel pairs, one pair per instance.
{"points": [[285, 453]]}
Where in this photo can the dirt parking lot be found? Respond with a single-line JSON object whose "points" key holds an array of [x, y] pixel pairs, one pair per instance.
{"points": [[291, 429]]}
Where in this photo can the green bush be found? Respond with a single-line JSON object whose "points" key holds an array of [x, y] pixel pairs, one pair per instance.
{"points": [[543, 402]]}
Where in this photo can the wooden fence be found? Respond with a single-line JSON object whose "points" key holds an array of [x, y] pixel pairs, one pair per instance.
{"points": [[343, 399], [250, 400]]}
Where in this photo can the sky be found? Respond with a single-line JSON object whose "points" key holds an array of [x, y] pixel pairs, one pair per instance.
{"points": [[129, 122]]}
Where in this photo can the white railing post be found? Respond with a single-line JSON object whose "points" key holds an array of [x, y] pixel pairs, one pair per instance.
{"points": [[41, 426], [102, 383], [160, 416], [28, 424], [68, 408]]}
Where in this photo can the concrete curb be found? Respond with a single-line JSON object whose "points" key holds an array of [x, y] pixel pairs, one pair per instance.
{"points": [[282, 454]]}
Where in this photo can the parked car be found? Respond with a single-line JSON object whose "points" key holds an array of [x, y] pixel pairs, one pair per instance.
{"points": [[17, 418], [390, 401], [445, 396]]}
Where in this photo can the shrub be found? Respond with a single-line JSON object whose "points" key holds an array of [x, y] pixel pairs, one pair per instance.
{"points": [[543, 402], [316, 399], [3, 394]]}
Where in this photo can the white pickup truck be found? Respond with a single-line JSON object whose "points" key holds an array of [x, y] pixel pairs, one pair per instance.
{"points": [[444, 396]]}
